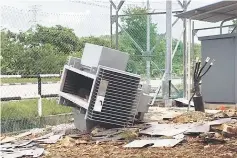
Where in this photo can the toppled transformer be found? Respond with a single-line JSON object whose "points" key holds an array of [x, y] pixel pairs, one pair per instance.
{"points": [[100, 91]]}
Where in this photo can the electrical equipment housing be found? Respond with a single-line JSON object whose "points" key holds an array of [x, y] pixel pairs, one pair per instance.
{"points": [[100, 90]]}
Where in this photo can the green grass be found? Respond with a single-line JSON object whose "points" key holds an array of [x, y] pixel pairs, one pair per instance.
{"points": [[28, 80], [28, 109]]}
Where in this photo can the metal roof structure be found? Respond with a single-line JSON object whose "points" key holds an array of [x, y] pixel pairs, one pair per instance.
{"points": [[216, 12]]}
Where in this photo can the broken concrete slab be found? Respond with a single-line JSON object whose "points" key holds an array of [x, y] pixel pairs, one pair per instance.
{"points": [[5, 146], [23, 134], [44, 136], [33, 152], [12, 155], [16, 153], [8, 139], [219, 121], [36, 131], [166, 129], [197, 129], [51, 139], [179, 136], [153, 143], [21, 143]]}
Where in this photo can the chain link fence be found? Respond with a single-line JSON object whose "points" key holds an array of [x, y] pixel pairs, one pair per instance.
{"points": [[34, 42]]}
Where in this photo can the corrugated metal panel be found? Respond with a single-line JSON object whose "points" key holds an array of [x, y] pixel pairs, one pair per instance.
{"points": [[120, 99], [212, 13]]}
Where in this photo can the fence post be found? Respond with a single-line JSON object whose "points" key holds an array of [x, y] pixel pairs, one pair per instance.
{"points": [[39, 94]]}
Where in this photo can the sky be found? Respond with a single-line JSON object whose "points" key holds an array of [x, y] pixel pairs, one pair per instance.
{"points": [[87, 17]]}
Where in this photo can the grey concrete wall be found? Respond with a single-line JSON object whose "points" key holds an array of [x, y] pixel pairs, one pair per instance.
{"points": [[220, 83]]}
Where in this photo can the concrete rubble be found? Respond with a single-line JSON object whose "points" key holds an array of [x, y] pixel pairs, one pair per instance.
{"points": [[163, 132]]}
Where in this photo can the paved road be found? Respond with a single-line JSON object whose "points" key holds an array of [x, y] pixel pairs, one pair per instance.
{"points": [[27, 90], [31, 90]]}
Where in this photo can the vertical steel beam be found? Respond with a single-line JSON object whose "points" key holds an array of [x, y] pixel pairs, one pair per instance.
{"points": [[185, 52], [148, 45], [111, 25], [192, 54], [158, 89], [189, 58], [117, 28], [117, 18], [168, 61]]}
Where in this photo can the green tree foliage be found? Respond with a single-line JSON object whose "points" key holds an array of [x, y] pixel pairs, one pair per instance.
{"points": [[11, 52], [45, 49], [28, 53], [135, 27], [62, 38]]}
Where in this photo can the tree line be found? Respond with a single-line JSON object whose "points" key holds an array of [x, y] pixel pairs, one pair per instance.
{"points": [[42, 49]]}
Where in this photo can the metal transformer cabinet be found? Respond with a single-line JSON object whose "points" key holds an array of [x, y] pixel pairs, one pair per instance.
{"points": [[100, 91]]}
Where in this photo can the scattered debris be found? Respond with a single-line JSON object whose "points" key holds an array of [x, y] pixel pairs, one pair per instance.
{"points": [[191, 116], [204, 129], [14, 147], [23, 135], [65, 129], [183, 102], [231, 113], [166, 129], [50, 140], [153, 143], [210, 138], [130, 134], [8, 139], [220, 114], [68, 142], [219, 121], [23, 152]]}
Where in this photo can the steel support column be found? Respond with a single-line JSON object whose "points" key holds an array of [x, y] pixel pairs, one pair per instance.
{"points": [[189, 59], [148, 40], [185, 52], [168, 61], [111, 26], [117, 8]]}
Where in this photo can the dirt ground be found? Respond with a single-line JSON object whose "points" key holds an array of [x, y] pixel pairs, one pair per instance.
{"points": [[217, 145], [192, 148]]}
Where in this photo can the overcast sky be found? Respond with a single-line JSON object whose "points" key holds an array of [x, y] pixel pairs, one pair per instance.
{"points": [[86, 17]]}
